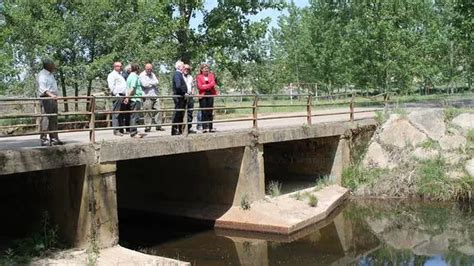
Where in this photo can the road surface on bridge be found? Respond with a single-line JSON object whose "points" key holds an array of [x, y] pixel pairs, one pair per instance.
{"points": [[20, 142]]}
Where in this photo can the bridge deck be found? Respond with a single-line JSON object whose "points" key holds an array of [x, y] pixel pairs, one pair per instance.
{"points": [[21, 142]]}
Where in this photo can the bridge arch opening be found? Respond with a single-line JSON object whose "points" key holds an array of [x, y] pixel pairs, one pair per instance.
{"points": [[192, 188], [299, 164]]}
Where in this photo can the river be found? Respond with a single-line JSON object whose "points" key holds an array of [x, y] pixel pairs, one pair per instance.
{"points": [[362, 232]]}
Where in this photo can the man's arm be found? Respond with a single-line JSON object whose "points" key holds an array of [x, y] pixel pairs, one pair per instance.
{"points": [[145, 81], [111, 83]]}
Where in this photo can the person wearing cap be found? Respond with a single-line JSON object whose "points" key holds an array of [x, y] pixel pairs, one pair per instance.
{"points": [[149, 84], [206, 83], [47, 87], [118, 87], [188, 78]]}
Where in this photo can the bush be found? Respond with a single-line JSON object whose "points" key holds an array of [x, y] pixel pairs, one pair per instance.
{"points": [[274, 188]]}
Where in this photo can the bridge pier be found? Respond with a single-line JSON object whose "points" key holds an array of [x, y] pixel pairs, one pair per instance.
{"points": [[83, 204]]}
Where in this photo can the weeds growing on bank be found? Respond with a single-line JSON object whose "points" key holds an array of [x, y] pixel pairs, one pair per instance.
{"points": [[324, 182], [354, 176], [430, 144], [381, 116], [312, 200], [434, 184], [274, 188], [470, 136], [297, 196], [245, 202], [39, 244], [450, 113]]}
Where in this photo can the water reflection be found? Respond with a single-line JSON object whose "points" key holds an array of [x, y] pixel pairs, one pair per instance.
{"points": [[364, 233]]}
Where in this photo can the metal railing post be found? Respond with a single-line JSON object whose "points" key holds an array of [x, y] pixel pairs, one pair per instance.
{"points": [[309, 108], [351, 107], [185, 118], [92, 120], [255, 111]]}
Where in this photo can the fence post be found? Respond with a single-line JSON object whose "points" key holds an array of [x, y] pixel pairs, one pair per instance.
{"points": [[38, 119], [254, 111], [185, 118], [351, 107], [92, 120], [309, 107]]}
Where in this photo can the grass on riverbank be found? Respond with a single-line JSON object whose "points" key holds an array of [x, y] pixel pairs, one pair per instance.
{"points": [[421, 179]]}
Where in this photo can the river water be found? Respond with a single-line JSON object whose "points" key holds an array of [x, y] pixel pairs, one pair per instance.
{"points": [[361, 232]]}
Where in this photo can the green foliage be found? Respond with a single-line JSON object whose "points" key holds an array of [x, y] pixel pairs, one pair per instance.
{"points": [[381, 117], [450, 113], [433, 183], [323, 182], [92, 251], [470, 135], [245, 202], [377, 47], [297, 196], [85, 39], [312, 200], [274, 188], [430, 144], [354, 176], [402, 112], [39, 244]]}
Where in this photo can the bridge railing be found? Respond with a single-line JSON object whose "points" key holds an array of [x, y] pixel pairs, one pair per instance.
{"points": [[21, 116]]}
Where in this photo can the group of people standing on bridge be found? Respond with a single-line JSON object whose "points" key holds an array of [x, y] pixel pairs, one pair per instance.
{"points": [[137, 91]]}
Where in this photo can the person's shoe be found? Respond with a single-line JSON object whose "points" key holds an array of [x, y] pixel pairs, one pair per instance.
{"points": [[147, 130], [212, 130], [45, 142], [191, 131], [175, 133], [205, 131], [138, 135], [117, 133], [55, 142], [160, 129]]}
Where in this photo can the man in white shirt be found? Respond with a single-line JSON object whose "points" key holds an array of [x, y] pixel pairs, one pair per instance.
{"points": [[118, 87], [149, 84], [188, 79], [47, 87]]}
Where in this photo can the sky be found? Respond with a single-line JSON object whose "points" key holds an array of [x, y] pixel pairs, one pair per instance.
{"points": [[273, 14]]}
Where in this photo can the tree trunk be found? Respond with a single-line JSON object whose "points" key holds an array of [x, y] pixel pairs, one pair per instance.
{"points": [[76, 93], [89, 90], [185, 12], [62, 79]]}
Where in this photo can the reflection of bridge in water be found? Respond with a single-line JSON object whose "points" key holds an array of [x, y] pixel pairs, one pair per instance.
{"points": [[367, 232]]}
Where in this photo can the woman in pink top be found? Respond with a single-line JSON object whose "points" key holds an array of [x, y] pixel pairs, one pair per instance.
{"points": [[206, 84]]}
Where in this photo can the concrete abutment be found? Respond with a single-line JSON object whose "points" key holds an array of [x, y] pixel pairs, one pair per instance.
{"points": [[79, 200]]}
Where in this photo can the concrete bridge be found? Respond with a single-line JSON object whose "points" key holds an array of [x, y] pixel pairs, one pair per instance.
{"points": [[84, 186]]}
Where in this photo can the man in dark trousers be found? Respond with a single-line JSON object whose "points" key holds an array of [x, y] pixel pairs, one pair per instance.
{"points": [[179, 88]]}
